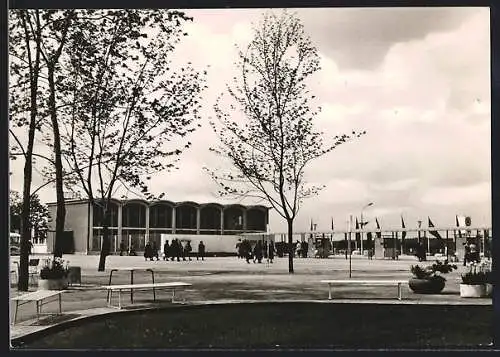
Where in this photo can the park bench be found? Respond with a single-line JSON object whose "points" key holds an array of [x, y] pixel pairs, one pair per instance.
{"points": [[14, 269], [40, 297], [154, 286], [364, 282]]}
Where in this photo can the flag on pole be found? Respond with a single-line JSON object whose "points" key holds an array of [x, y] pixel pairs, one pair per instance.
{"points": [[458, 225], [358, 235], [332, 224], [434, 233], [403, 234], [379, 234], [311, 225]]}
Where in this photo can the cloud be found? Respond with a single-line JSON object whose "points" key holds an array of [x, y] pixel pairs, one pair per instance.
{"points": [[457, 194], [416, 79]]}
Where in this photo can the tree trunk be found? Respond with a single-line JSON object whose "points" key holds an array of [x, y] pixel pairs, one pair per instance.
{"points": [[22, 284], [290, 246], [61, 209], [105, 239]]}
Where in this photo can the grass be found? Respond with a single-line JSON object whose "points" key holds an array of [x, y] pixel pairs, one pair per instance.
{"points": [[281, 326]]}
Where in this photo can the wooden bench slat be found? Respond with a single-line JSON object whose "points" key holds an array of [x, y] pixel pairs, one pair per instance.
{"points": [[37, 295], [388, 282], [146, 286]]}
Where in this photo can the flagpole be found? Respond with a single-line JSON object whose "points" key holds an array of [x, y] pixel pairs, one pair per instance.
{"points": [[362, 225], [346, 239], [349, 245]]}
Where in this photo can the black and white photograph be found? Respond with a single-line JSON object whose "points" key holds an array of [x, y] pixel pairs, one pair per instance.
{"points": [[313, 178]]}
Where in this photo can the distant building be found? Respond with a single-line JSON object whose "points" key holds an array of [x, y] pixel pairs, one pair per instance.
{"points": [[136, 222]]}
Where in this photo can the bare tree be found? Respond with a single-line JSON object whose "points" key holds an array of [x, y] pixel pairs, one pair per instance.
{"points": [[271, 149], [127, 112], [58, 25]]}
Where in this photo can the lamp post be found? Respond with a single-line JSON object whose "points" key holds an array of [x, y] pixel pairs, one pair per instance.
{"points": [[363, 224]]}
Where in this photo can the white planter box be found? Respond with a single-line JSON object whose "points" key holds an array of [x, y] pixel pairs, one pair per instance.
{"points": [[472, 291]]}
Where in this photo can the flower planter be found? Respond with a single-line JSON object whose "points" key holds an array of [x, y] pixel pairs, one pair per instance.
{"points": [[52, 284], [426, 286], [472, 291]]}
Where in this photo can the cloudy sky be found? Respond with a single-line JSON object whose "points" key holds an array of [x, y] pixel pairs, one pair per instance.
{"points": [[417, 80]]}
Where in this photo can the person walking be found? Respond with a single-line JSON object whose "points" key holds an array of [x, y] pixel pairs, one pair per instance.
{"points": [[182, 250], [305, 248], [122, 248], [298, 249], [258, 252], [270, 252], [247, 250], [474, 253], [178, 250], [132, 251], [201, 251], [173, 249], [238, 249], [166, 250], [187, 250], [466, 253]]}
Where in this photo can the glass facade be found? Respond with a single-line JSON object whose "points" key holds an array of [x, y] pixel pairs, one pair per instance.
{"points": [[256, 220], [96, 243], [233, 219], [210, 219], [185, 219], [98, 214], [160, 216], [134, 238], [134, 215]]}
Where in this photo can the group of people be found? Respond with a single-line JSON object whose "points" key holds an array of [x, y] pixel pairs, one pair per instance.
{"points": [[175, 250], [123, 249], [420, 252], [260, 250], [471, 253]]}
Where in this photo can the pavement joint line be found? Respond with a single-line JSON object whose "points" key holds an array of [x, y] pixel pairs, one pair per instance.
{"points": [[229, 270]]}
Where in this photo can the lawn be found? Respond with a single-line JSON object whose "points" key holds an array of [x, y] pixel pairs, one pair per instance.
{"points": [[280, 326]]}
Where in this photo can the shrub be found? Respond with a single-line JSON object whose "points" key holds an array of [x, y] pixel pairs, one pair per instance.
{"points": [[433, 271], [479, 273], [54, 269]]}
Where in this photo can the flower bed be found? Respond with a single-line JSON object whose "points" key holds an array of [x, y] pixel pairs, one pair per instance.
{"points": [[476, 282]]}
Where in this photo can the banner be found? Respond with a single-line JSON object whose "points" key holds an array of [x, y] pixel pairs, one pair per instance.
{"points": [[358, 234], [403, 235]]}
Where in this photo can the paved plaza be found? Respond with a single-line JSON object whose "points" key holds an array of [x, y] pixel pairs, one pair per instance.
{"points": [[229, 280]]}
